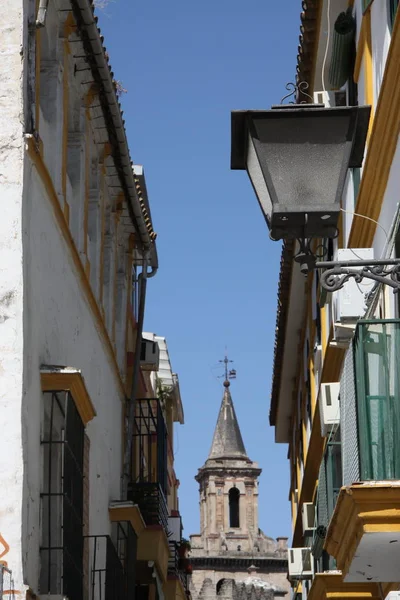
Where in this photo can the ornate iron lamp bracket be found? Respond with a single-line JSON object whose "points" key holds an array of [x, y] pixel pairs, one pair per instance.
{"points": [[336, 273]]}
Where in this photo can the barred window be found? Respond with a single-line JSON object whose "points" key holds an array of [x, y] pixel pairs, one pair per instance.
{"points": [[61, 551]]}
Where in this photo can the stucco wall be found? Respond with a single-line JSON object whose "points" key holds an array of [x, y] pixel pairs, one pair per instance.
{"points": [[60, 330], [11, 285]]}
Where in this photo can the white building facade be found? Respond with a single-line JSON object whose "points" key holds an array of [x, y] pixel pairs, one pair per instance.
{"points": [[76, 248]]}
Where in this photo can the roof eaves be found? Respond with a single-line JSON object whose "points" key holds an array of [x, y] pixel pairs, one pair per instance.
{"points": [[309, 31], [284, 284], [83, 11]]}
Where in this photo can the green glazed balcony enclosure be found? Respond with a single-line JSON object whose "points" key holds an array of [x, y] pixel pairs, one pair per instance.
{"points": [[377, 382]]}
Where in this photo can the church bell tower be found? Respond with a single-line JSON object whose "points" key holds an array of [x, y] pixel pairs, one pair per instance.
{"points": [[228, 488]]}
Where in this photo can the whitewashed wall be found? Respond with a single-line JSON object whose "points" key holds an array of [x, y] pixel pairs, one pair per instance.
{"points": [[60, 329], [11, 287]]}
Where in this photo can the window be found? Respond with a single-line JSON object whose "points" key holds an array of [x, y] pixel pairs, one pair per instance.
{"points": [[234, 496], [392, 8], [377, 347], [61, 551]]}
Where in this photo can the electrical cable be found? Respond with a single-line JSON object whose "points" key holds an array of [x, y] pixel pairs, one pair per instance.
{"points": [[327, 45]]}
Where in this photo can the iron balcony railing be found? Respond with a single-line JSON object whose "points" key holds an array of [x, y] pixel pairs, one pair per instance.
{"points": [[152, 503], [175, 566], [112, 575], [150, 444]]}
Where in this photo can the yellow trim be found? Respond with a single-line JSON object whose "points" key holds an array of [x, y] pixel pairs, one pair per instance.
{"points": [[65, 130], [102, 235], [173, 589], [364, 56], [360, 50], [38, 54], [114, 308], [364, 508], [330, 586], [153, 545], [57, 381], [381, 148], [129, 513], [87, 182], [85, 285]]}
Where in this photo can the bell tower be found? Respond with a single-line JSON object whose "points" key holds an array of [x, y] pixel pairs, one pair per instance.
{"points": [[228, 487], [231, 557]]}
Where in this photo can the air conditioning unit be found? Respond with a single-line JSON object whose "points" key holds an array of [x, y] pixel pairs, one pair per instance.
{"points": [[329, 407], [300, 563], [175, 529], [308, 518], [351, 299], [393, 596], [149, 355], [330, 99]]}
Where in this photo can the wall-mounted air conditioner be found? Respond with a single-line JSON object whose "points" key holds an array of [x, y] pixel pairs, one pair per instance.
{"points": [[308, 518], [149, 355], [351, 299], [329, 407], [300, 563], [330, 99]]}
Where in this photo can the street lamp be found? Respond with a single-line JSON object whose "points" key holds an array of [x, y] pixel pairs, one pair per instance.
{"points": [[297, 156]]}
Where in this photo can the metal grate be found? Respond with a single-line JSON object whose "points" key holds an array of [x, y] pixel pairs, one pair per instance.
{"points": [[174, 565], [348, 420], [112, 569], [150, 447], [151, 501], [377, 347], [6, 584], [61, 550]]}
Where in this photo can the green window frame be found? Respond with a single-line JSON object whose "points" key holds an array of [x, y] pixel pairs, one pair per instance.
{"points": [[366, 4], [377, 348], [392, 9]]}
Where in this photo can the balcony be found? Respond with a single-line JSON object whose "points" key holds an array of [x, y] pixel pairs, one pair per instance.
{"points": [[177, 577], [112, 568], [364, 530], [370, 403], [151, 501], [330, 586]]}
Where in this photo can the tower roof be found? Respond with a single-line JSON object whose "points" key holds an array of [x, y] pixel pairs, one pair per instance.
{"points": [[227, 441]]}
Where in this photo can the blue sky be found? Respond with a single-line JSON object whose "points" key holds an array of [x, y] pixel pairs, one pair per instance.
{"points": [[185, 66]]}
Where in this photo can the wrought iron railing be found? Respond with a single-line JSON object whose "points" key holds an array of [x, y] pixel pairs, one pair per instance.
{"points": [[108, 579], [175, 565], [6, 583], [150, 443], [151, 501]]}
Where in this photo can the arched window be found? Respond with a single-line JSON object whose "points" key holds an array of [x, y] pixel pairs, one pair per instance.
{"points": [[219, 585], [234, 495]]}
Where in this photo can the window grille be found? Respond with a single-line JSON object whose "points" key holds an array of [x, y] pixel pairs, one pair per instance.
{"points": [[61, 551]]}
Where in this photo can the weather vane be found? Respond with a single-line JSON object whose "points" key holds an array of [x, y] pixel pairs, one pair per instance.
{"points": [[229, 373]]}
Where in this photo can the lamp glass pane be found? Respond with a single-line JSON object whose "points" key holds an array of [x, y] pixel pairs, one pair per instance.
{"points": [[258, 180], [302, 157]]}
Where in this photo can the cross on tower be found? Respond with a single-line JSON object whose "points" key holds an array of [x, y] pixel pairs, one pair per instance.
{"points": [[229, 373]]}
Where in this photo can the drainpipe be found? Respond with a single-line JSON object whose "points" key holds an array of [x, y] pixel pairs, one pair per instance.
{"points": [[41, 14], [142, 283]]}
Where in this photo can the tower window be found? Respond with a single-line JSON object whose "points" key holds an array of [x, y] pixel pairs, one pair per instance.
{"points": [[234, 495]]}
